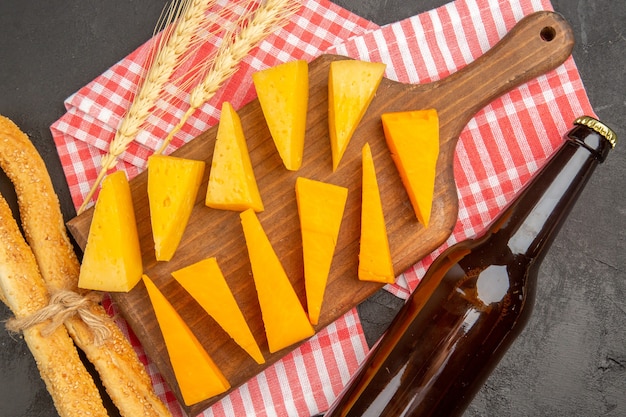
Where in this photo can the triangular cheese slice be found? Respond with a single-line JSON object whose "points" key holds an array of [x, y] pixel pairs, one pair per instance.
{"points": [[197, 375], [112, 258], [284, 317], [352, 85], [206, 284], [232, 185], [283, 93], [413, 139], [320, 207], [172, 189], [375, 262]]}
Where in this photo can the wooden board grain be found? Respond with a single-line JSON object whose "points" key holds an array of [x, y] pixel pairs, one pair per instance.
{"points": [[537, 44]]}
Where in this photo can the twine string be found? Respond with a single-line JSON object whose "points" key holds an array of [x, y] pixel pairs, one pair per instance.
{"points": [[62, 306]]}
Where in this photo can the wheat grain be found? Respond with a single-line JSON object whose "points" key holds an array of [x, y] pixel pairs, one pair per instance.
{"points": [[175, 41], [235, 46]]}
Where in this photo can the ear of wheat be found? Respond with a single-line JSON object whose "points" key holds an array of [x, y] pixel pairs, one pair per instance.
{"points": [[178, 38], [180, 22], [234, 48]]}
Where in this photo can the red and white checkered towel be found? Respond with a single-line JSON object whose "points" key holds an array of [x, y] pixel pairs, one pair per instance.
{"points": [[498, 151]]}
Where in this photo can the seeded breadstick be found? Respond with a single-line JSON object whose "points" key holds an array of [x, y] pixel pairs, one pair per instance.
{"points": [[72, 389], [120, 370]]}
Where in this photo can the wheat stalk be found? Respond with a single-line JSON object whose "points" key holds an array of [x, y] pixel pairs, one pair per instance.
{"points": [[234, 48], [175, 42]]}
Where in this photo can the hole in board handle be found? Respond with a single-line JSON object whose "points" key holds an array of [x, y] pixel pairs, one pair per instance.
{"points": [[548, 33]]}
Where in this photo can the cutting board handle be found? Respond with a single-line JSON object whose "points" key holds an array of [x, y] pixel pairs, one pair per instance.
{"points": [[538, 43]]}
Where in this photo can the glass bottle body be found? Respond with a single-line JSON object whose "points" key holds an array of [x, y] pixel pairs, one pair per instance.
{"points": [[473, 301]]}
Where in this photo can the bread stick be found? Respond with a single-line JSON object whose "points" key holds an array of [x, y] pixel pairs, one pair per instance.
{"points": [[115, 360], [72, 389]]}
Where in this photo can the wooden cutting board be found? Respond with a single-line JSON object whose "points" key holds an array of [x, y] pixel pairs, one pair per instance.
{"points": [[537, 44]]}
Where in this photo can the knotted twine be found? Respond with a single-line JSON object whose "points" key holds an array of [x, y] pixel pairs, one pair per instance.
{"points": [[63, 305]]}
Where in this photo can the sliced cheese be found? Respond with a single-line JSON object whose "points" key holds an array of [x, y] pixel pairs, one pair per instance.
{"points": [[352, 85], [320, 207], [284, 317], [112, 256], [232, 184], [172, 189], [413, 139], [283, 93], [206, 284], [197, 375], [375, 262]]}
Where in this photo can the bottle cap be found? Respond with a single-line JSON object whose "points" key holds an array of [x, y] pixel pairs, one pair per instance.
{"points": [[599, 127]]}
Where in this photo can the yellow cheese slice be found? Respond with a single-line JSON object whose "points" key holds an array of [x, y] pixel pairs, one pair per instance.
{"points": [[413, 139], [112, 256], [283, 93], [320, 207], [172, 189], [284, 317], [232, 185], [197, 375], [352, 85], [375, 262], [206, 284]]}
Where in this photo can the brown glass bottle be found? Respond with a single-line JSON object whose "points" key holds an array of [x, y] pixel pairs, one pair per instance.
{"points": [[475, 298]]}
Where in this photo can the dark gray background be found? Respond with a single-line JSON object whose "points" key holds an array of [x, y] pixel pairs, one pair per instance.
{"points": [[570, 360]]}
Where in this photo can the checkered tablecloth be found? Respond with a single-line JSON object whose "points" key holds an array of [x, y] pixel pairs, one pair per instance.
{"points": [[497, 153]]}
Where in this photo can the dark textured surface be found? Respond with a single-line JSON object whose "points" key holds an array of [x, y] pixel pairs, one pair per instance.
{"points": [[570, 360]]}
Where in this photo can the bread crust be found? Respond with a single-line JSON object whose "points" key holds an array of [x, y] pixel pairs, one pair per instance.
{"points": [[71, 387], [115, 360]]}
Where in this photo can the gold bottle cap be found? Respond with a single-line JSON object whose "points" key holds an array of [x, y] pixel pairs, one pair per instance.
{"points": [[599, 127]]}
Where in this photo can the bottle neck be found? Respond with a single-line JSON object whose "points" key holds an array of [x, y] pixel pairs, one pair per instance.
{"points": [[532, 220]]}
